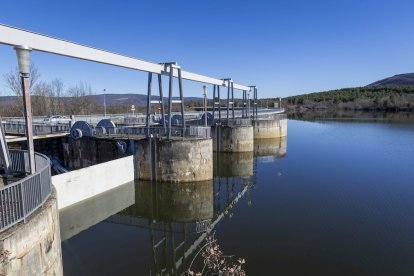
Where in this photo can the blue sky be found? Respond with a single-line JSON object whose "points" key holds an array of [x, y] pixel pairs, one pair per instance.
{"points": [[284, 47]]}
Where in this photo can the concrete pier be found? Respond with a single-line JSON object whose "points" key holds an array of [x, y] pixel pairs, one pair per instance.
{"points": [[232, 138], [176, 160], [270, 128], [33, 247]]}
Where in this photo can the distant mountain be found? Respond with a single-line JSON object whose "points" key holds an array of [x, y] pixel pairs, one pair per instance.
{"points": [[112, 100], [397, 80], [120, 99], [130, 98]]}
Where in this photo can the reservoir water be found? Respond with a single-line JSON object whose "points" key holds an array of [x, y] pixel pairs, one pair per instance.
{"points": [[334, 198]]}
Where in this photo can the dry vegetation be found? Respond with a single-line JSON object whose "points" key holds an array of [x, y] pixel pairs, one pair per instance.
{"points": [[48, 98]]}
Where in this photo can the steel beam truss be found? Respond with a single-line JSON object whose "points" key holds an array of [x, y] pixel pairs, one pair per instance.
{"points": [[14, 36]]}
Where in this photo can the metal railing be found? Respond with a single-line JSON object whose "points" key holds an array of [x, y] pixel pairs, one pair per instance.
{"points": [[188, 132], [38, 129], [21, 198], [275, 116], [237, 122]]}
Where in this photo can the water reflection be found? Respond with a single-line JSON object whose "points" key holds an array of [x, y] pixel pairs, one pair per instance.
{"points": [[233, 164], [171, 202], [178, 217], [171, 220], [79, 217], [267, 150]]}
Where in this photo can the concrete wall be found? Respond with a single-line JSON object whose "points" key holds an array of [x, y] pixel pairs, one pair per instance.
{"points": [[264, 129], [82, 184], [232, 138], [180, 160], [33, 248], [89, 151]]}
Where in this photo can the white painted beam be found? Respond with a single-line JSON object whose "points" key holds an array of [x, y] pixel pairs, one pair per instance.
{"points": [[13, 36]]}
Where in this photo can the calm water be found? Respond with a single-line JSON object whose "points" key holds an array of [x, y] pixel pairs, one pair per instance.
{"points": [[335, 198]]}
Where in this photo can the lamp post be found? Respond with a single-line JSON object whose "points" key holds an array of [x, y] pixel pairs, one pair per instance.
{"points": [[104, 91], [205, 104], [23, 59]]}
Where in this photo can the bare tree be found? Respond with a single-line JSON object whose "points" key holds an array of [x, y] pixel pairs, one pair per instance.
{"points": [[81, 101], [13, 83], [58, 105]]}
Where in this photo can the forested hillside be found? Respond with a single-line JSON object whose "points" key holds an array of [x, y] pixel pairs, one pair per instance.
{"points": [[386, 98]]}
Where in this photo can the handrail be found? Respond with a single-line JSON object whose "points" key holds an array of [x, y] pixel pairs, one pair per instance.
{"points": [[38, 129], [179, 131], [21, 198]]}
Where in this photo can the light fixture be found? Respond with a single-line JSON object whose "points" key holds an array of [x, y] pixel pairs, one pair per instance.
{"points": [[23, 58]]}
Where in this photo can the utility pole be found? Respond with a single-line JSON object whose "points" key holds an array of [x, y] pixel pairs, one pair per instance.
{"points": [[23, 58], [205, 105]]}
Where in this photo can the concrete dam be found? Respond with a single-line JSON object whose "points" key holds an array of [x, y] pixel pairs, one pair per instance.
{"points": [[49, 171]]}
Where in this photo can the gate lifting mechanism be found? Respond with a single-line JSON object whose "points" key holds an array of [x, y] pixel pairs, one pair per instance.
{"points": [[169, 68]]}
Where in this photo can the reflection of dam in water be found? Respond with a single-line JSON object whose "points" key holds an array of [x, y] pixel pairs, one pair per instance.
{"points": [[267, 150], [180, 217], [233, 164], [171, 202], [176, 218], [80, 216]]}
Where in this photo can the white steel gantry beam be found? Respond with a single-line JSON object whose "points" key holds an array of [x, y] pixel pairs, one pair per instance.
{"points": [[14, 37]]}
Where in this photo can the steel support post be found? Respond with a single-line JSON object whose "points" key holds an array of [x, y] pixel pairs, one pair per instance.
{"points": [[214, 102], [228, 101], [180, 87], [161, 101], [244, 105], [170, 87], [219, 102], [232, 100], [255, 101], [28, 120], [147, 122]]}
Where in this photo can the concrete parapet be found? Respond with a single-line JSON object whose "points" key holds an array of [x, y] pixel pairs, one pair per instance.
{"points": [[232, 138], [176, 160], [271, 128], [33, 247], [78, 185]]}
